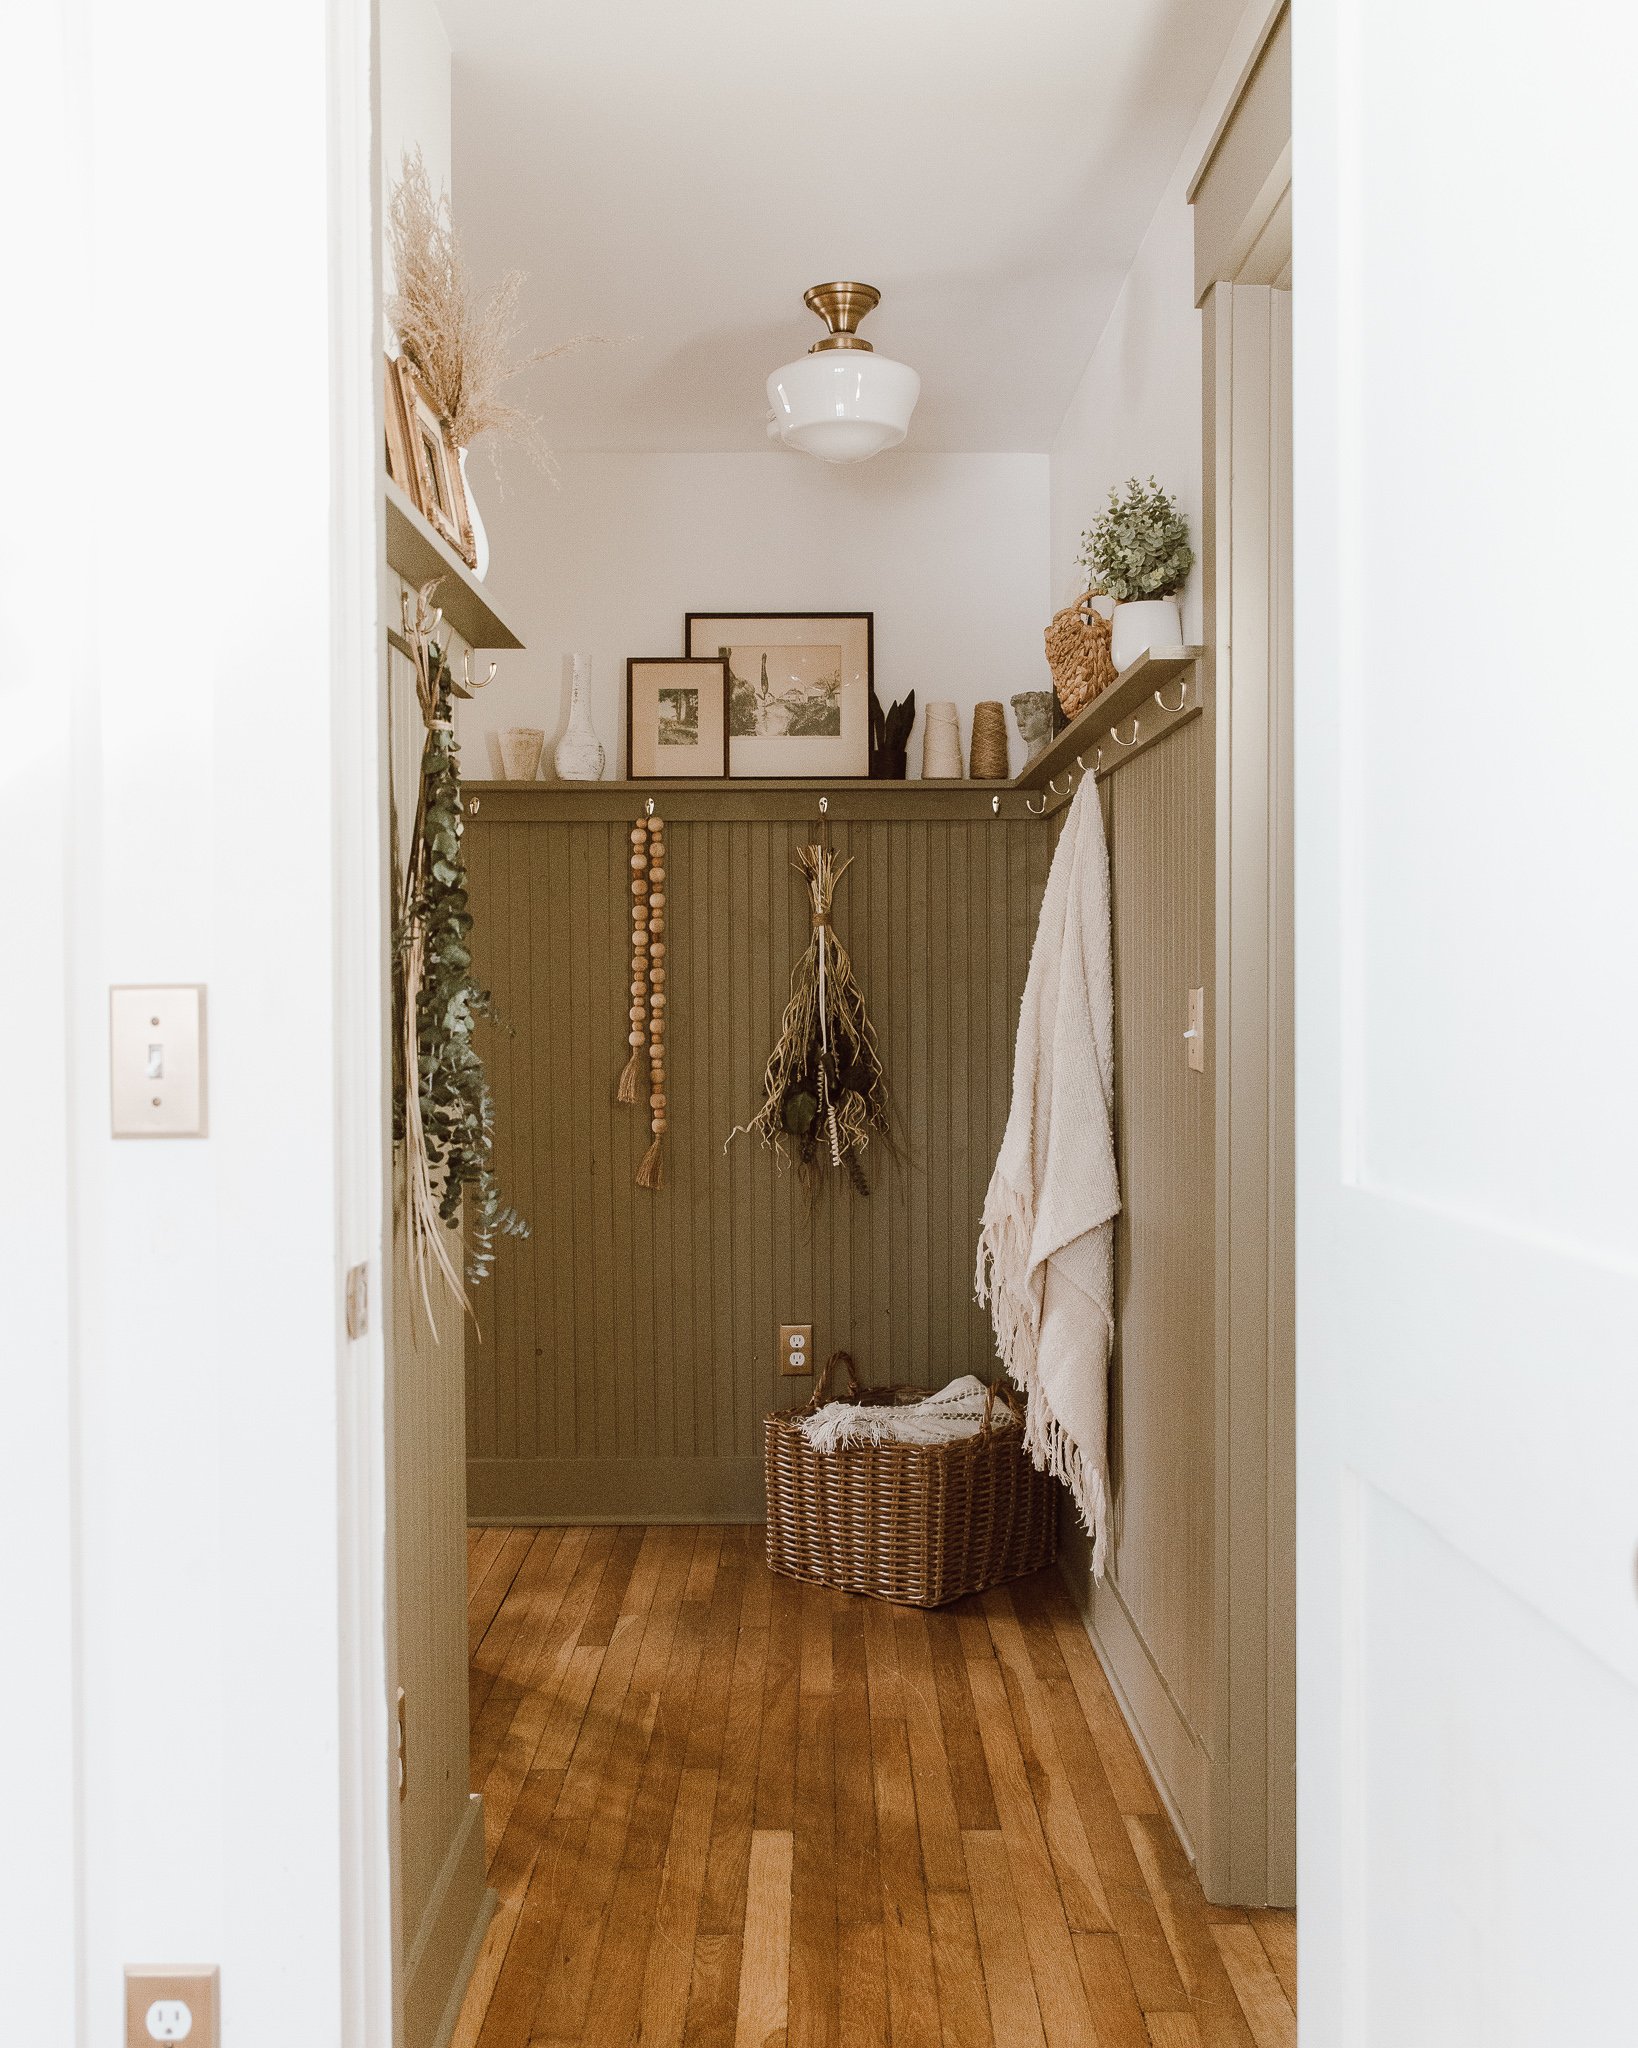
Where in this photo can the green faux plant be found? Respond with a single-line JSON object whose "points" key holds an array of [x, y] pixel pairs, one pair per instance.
{"points": [[446, 1118], [1138, 546]]}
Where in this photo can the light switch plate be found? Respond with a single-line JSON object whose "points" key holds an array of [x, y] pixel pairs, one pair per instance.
{"points": [[171, 2003], [1194, 1038], [795, 1349], [156, 1050]]}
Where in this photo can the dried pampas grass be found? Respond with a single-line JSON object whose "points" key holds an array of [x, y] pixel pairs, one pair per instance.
{"points": [[464, 350]]}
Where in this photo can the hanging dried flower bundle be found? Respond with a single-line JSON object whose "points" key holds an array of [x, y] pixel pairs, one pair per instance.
{"points": [[824, 1089], [465, 349]]}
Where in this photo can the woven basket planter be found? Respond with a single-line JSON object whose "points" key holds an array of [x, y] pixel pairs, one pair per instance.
{"points": [[919, 1524], [1077, 652]]}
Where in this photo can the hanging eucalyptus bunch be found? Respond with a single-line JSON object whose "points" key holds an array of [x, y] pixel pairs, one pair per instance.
{"points": [[443, 1112]]}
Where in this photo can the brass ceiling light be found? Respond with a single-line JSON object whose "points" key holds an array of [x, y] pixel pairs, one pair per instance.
{"points": [[841, 401]]}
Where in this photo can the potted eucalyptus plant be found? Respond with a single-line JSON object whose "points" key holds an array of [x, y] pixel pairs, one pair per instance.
{"points": [[1137, 552]]}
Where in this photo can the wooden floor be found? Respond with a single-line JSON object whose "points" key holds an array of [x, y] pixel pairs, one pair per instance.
{"points": [[727, 1809]]}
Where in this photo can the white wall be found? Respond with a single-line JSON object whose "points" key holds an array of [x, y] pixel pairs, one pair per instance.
{"points": [[1136, 410], [948, 551], [196, 816], [415, 105]]}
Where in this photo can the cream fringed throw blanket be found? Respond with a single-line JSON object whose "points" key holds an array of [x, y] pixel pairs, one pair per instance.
{"points": [[1046, 1254]]}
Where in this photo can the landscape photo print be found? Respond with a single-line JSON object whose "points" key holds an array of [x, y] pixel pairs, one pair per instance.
{"points": [[798, 690]]}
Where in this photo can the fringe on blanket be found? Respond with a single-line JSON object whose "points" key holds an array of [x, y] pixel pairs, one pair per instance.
{"points": [[1003, 1254], [954, 1412]]}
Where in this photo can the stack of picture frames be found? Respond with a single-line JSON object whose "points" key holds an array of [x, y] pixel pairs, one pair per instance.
{"points": [[764, 696], [423, 462]]}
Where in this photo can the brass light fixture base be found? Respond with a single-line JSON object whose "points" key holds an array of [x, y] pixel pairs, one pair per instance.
{"points": [[841, 307]]}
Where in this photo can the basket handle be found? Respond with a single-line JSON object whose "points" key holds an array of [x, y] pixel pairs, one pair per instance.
{"points": [[1004, 1395], [821, 1388]]}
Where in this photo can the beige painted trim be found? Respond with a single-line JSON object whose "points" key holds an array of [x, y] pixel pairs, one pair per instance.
{"points": [[438, 1959], [549, 1490], [1248, 1848], [1254, 47], [1240, 190], [1172, 1751]]}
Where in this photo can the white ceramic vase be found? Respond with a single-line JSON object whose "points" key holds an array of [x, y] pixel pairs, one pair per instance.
{"points": [[474, 519], [579, 756], [941, 744], [1152, 622]]}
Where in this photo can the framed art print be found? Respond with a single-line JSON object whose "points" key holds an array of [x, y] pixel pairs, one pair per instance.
{"points": [[798, 689], [441, 494], [676, 717]]}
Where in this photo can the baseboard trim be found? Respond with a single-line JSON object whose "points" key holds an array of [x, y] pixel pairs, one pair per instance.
{"points": [[1174, 1754], [542, 1491], [438, 1959]]}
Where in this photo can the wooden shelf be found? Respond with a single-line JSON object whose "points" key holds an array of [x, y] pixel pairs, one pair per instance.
{"points": [[1125, 698], [697, 797], [418, 554]]}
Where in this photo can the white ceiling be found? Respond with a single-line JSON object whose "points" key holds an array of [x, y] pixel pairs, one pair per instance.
{"points": [[672, 174]]}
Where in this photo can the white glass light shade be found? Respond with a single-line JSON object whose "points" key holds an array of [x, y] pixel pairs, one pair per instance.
{"points": [[843, 405]]}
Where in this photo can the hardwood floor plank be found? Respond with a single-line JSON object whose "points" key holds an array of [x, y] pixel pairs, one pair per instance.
{"points": [[969, 1770], [776, 1756], [912, 1983], [1277, 1931], [963, 2008], [484, 1600], [475, 2003], [663, 2009], [482, 1548], [1041, 1904], [1127, 1773], [1009, 1982], [937, 1822], [1182, 1908], [540, 1622], [1267, 2011], [813, 1959], [1047, 1773], [1173, 2030], [1109, 1992], [765, 1951]]}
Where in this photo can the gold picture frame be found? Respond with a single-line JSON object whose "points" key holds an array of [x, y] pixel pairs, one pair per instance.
{"points": [[395, 420], [440, 494]]}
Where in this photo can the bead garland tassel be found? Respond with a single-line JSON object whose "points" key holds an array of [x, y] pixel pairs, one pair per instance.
{"points": [[646, 1037]]}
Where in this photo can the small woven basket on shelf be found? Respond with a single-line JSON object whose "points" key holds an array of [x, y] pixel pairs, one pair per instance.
{"points": [[1077, 652], [920, 1524]]}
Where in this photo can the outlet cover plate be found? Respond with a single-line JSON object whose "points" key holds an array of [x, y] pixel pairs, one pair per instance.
{"points": [[795, 1350], [175, 2002]]}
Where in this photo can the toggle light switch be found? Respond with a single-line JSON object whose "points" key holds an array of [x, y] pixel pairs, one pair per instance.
{"points": [[1194, 1038], [156, 1046]]}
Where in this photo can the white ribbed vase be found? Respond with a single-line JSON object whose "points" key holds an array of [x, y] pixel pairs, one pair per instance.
{"points": [[579, 756]]}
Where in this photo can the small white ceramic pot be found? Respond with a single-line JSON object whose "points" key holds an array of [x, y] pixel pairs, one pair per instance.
{"points": [[1152, 622]]}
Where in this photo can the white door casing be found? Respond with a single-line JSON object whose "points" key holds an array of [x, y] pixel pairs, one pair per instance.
{"points": [[1467, 840]]}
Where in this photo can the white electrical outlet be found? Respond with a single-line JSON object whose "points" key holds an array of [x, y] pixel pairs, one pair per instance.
{"points": [[795, 1349], [163, 2004]]}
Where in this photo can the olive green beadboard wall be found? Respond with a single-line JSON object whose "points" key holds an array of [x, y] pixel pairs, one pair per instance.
{"points": [[628, 1348]]}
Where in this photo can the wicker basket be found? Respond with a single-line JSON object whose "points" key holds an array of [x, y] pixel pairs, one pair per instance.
{"points": [[917, 1523], [1077, 651]]}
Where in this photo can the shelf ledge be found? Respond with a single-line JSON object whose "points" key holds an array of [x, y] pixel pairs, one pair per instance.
{"points": [[419, 555]]}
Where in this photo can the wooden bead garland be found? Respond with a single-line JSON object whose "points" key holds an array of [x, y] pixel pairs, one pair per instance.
{"points": [[648, 1002]]}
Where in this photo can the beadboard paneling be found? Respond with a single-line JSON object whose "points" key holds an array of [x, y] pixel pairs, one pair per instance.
{"points": [[634, 1328]]}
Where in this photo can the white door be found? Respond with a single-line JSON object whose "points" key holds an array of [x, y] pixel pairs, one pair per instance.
{"points": [[1467, 927]]}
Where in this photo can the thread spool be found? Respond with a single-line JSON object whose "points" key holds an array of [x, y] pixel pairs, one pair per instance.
{"points": [[941, 744], [989, 742]]}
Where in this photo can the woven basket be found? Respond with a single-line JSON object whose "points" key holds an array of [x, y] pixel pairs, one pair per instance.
{"points": [[1077, 652], [917, 1523]]}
